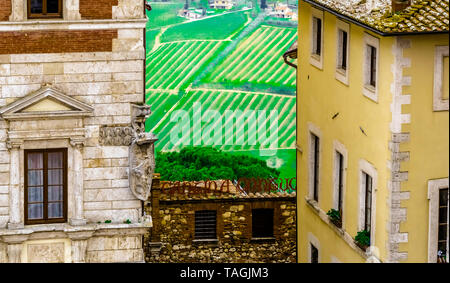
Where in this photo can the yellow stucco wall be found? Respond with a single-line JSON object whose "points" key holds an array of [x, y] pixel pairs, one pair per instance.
{"points": [[320, 96], [429, 142]]}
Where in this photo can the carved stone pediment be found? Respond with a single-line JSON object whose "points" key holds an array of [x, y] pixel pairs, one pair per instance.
{"points": [[46, 103]]}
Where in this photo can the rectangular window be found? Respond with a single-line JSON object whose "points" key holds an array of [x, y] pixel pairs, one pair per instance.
{"points": [[367, 179], [372, 51], [315, 166], [45, 186], [314, 254], [205, 224], [343, 45], [317, 36], [340, 180], [44, 8], [443, 228], [262, 223]]}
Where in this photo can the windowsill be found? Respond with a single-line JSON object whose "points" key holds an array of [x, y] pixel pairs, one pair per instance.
{"points": [[51, 23], [312, 204], [211, 242], [263, 239], [342, 76], [370, 92], [316, 61]]}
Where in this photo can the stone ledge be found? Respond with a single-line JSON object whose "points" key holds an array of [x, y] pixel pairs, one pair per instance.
{"points": [[339, 231]]}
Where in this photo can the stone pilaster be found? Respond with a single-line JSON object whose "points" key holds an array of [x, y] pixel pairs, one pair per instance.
{"points": [[15, 220], [79, 245], [18, 11], [78, 211], [71, 10], [14, 248]]}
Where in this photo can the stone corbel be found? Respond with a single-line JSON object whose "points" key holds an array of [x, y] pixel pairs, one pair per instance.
{"points": [[14, 249], [142, 153], [79, 245]]}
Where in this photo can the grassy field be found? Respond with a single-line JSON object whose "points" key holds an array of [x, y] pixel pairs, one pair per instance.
{"points": [[173, 65], [223, 100], [217, 27], [164, 14], [258, 60], [246, 75]]}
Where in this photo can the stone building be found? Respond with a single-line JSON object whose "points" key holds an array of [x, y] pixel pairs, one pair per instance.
{"points": [[220, 227], [75, 162]]}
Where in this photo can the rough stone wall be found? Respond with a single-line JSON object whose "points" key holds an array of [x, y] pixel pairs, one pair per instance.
{"points": [[99, 9], [174, 222], [55, 41], [5, 10]]}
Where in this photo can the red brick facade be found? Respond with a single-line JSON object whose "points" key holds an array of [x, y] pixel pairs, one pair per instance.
{"points": [[99, 9], [56, 41], [5, 10]]}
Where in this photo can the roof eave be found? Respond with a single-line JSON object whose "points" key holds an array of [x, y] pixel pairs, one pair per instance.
{"points": [[366, 26]]}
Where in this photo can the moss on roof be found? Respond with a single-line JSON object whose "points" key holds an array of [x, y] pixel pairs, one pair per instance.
{"points": [[420, 16]]}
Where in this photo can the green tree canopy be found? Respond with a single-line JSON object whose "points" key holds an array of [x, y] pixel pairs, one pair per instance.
{"points": [[207, 163]]}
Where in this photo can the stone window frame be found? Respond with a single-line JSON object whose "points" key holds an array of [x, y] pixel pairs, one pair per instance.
{"points": [[439, 103], [433, 213], [341, 74], [316, 60], [313, 129], [339, 147], [368, 90], [369, 169], [313, 240], [70, 10]]}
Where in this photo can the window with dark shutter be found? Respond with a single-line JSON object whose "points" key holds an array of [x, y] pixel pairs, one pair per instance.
{"points": [[45, 186], [373, 65], [205, 224], [340, 177], [262, 223], [367, 179], [44, 8], [315, 166], [317, 36], [443, 231], [342, 62], [314, 254]]}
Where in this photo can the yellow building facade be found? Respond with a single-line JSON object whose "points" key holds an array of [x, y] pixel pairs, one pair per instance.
{"points": [[373, 131]]}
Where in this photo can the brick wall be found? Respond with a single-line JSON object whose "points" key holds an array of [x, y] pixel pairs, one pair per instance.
{"points": [[171, 238], [5, 10], [99, 9], [55, 41]]}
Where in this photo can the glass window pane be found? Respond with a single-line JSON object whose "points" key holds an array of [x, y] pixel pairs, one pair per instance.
{"points": [[55, 210], [55, 176], [35, 178], [36, 6], [35, 194], [52, 6], [443, 197], [443, 215], [55, 193], [35, 160], [55, 160], [35, 211]]}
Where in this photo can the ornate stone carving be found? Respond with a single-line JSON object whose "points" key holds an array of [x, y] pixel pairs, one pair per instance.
{"points": [[142, 154], [116, 135]]}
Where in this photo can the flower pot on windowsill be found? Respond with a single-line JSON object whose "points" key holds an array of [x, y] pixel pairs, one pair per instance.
{"points": [[361, 246], [336, 222]]}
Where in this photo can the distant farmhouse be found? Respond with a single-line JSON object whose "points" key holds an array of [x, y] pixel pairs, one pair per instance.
{"points": [[281, 10], [191, 13], [221, 4]]}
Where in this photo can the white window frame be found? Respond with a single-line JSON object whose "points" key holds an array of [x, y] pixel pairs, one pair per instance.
{"points": [[341, 74], [433, 216], [315, 59], [368, 90], [313, 129], [339, 147], [439, 103], [368, 168], [312, 240]]}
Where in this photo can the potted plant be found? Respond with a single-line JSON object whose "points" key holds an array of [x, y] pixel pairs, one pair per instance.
{"points": [[362, 239], [335, 217]]}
